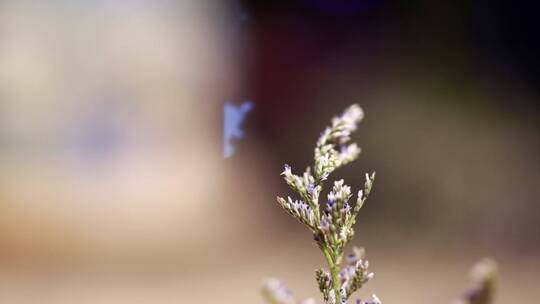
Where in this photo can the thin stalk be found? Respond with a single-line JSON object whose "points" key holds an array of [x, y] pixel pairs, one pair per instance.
{"points": [[334, 272]]}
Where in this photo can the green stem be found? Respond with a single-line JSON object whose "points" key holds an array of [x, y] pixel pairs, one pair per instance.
{"points": [[334, 272]]}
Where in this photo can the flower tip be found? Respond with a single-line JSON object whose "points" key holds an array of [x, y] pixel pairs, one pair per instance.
{"points": [[356, 112], [286, 170]]}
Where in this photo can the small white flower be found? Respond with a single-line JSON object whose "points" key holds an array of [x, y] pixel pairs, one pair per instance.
{"points": [[376, 299], [287, 171], [343, 235], [370, 276]]}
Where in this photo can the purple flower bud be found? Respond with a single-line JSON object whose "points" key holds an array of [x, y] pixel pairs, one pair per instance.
{"points": [[311, 188], [325, 223]]}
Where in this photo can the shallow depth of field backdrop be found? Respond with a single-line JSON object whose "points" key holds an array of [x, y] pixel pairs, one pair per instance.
{"points": [[113, 184]]}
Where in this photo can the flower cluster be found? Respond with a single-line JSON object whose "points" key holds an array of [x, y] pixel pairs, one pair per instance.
{"points": [[338, 217], [332, 222], [355, 274], [332, 150]]}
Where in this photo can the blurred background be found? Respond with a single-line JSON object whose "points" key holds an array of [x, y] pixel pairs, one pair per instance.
{"points": [[113, 184]]}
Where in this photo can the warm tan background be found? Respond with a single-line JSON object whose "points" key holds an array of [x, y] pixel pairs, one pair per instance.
{"points": [[113, 188]]}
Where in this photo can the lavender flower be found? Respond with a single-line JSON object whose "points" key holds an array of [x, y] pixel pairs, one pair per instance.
{"points": [[331, 224], [331, 151], [355, 274]]}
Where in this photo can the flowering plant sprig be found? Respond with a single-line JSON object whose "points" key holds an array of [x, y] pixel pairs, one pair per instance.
{"points": [[332, 224], [482, 285]]}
